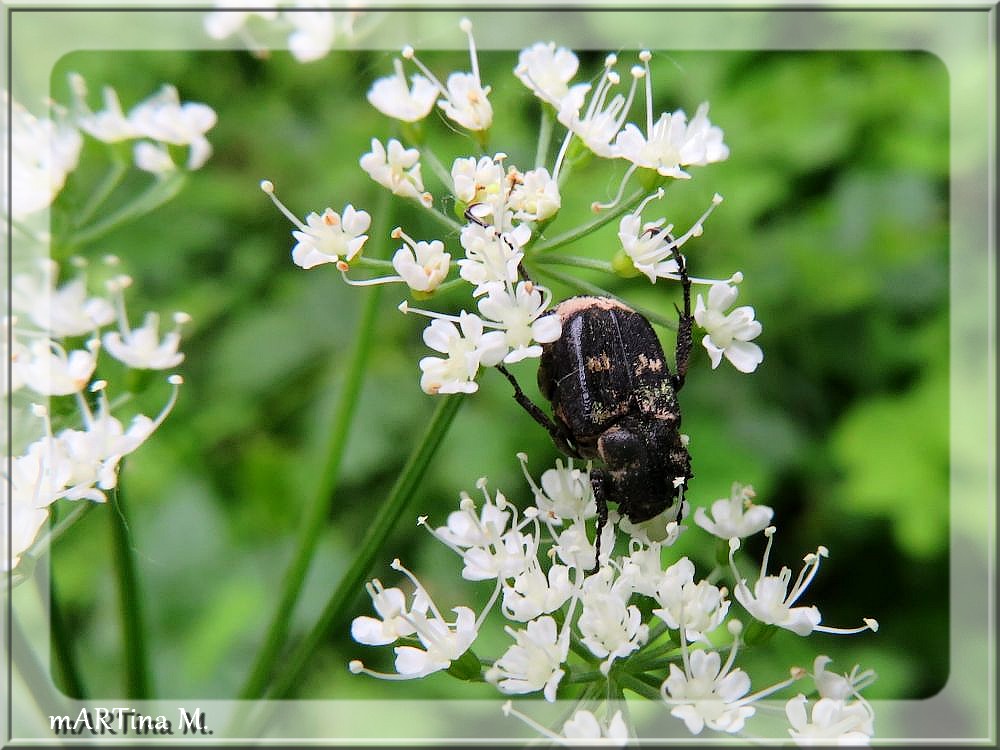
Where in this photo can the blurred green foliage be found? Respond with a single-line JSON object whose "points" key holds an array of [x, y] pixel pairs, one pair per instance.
{"points": [[835, 211]]}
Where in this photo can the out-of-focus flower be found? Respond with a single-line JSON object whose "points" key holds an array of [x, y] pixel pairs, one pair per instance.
{"points": [[392, 97], [728, 334], [735, 516]]}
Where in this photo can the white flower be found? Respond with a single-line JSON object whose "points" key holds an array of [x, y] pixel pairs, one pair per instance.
{"points": [[390, 604], [772, 603], [697, 607], [465, 529], [506, 557], [153, 157], [467, 348], [39, 477], [534, 593], [650, 245], [477, 180], [673, 143], [603, 119], [313, 35], [533, 662], [706, 693], [110, 124], [535, 197], [422, 265], [565, 492], [731, 334], [396, 168], [836, 686], [26, 521], [224, 22], [735, 516], [609, 627], [585, 726], [520, 315], [466, 101], [392, 97], [489, 256], [574, 548], [326, 238], [62, 311], [546, 70], [142, 349], [44, 153], [833, 722], [50, 371], [162, 117]]}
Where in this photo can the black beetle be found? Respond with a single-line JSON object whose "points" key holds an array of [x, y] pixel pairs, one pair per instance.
{"points": [[614, 399]]}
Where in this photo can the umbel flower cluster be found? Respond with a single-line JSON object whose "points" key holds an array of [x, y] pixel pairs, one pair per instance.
{"points": [[646, 621], [70, 338]]}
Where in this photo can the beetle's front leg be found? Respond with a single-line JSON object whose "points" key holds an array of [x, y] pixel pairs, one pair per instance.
{"points": [[558, 435], [684, 324], [598, 481]]}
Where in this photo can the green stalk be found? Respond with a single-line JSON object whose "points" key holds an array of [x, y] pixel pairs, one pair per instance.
{"points": [[585, 287], [31, 671], [637, 686], [106, 186], [318, 509], [161, 191], [544, 135], [62, 647], [350, 586], [135, 655], [583, 230], [574, 261]]}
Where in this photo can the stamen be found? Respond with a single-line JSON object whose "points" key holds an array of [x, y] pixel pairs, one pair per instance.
{"points": [[598, 207], [404, 307], [870, 624], [344, 268], [466, 25], [398, 566], [645, 57], [409, 54], [357, 667], [268, 187], [508, 710]]}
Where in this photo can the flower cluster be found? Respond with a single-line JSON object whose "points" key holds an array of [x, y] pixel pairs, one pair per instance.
{"points": [[310, 30], [567, 627], [506, 209], [56, 336]]}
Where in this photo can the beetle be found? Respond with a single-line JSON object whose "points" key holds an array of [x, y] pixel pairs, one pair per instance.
{"points": [[614, 399]]}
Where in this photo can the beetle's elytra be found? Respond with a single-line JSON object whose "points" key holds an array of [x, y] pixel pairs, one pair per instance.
{"points": [[614, 399]]}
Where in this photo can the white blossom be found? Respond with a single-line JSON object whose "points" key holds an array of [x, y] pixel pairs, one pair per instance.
{"points": [[490, 257], [735, 516], [422, 265], [327, 238], [466, 101], [394, 621], [110, 124], [609, 627], [565, 492], [546, 70], [63, 310], [313, 33], [164, 118], [396, 168], [49, 370], [534, 592], [142, 349], [673, 143], [697, 607], [772, 603], [533, 662], [602, 119], [153, 157], [728, 334], [520, 315], [467, 348], [585, 726], [392, 97], [225, 22], [477, 180], [535, 197], [26, 523], [706, 693], [832, 722]]}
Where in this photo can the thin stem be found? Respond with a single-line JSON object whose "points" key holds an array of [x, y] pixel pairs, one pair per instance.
{"points": [[32, 672], [108, 183], [555, 259], [583, 230], [586, 287], [544, 135], [318, 508], [443, 218], [135, 656], [438, 168], [637, 686], [63, 525], [62, 646], [590, 676], [161, 191], [350, 586]]}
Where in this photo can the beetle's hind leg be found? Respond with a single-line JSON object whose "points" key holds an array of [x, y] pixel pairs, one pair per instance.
{"points": [[558, 435], [597, 479], [684, 324]]}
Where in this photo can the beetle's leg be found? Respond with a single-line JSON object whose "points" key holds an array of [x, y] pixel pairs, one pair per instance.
{"points": [[684, 337], [557, 434], [597, 479]]}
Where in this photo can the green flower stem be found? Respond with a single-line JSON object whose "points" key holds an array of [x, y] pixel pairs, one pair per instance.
{"points": [[544, 135], [161, 191], [583, 230], [350, 586], [80, 509], [585, 287], [429, 157], [107, 185], [575, 261], [443, 218], [637, 686], [643, 659], [136, 658], [589, 676], [31, 671], [316, 513], [62, 646]]}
